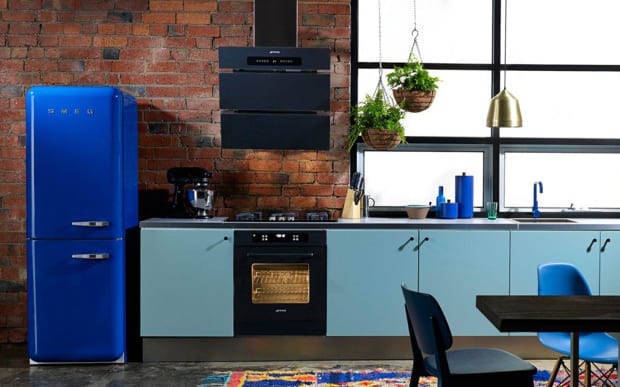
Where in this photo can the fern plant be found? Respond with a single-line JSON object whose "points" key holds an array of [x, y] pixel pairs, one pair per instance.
{"points": [[375, 112]]}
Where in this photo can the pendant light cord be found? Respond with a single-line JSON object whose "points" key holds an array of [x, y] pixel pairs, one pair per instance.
{"points": [[505, 40]]}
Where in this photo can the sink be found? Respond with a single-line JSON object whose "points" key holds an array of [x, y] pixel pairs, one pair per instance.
{"points": [[543, 220]]}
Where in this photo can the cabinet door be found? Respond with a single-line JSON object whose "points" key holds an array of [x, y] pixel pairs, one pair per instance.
{"points": [[186, 282], [532, 248], [456, 266], [610, 263], [365, 269]]}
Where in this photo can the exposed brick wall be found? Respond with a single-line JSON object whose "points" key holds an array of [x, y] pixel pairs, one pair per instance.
{"points": [[165, 53]]}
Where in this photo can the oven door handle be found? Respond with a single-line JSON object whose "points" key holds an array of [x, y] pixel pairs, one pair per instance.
{"points": [[280, 255]]}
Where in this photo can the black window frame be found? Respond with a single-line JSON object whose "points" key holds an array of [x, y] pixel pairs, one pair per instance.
{"points": [[496, 67]]}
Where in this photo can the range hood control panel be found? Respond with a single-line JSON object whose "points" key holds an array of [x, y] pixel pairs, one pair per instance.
{"points": [[274, 61]]}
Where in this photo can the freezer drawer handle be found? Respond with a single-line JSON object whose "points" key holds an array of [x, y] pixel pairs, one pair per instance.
{"points": [[91, 223], [91, 256]]}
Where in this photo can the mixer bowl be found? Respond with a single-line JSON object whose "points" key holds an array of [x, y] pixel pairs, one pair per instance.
{"points": [[201, 200]]}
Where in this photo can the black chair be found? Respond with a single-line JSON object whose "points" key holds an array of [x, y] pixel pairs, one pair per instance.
{"points": [[431, 340]]}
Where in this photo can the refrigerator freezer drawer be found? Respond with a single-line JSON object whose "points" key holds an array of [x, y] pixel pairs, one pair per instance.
{"points": [[76, 303]]}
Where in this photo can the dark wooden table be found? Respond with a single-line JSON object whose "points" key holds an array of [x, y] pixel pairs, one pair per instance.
{"points": [[553, 314]]}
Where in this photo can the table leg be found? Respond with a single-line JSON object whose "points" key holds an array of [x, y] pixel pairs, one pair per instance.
{"points": [[574, 359]]}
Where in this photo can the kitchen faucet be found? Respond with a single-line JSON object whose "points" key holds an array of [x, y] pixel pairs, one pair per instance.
{"points": [[535, 212]]}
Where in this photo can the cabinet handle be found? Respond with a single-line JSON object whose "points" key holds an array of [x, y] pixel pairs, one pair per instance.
{"points": [[420, 244], [225, 238], [605, 244], [594, 240], [402, 247]]}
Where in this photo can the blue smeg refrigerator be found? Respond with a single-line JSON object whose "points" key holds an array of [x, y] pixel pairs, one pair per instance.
{"points": [[82, 193]]}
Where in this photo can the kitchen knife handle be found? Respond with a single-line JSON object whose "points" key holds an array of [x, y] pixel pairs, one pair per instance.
{"points": [[91, 256], [357, 196], [91, 223], [355, 179]]}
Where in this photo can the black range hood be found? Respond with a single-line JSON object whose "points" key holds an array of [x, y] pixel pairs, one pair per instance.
{"points": [[275, 97], [275, 23]]}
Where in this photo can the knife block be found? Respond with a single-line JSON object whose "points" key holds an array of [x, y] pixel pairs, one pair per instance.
{"points": [[350, 209]]}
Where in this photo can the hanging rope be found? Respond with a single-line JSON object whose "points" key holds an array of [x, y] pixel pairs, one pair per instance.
{"points": [[380, 86], [415, 33]]}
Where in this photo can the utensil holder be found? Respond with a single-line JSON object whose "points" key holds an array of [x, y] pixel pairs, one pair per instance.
{"points": [[350, 209]]}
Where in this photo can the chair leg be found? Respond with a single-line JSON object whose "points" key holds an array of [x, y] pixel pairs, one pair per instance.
{"points": [[587, 374], [604, 375], [554, 372], [415, 377]]}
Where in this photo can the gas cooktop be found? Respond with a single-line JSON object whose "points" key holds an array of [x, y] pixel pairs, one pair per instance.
{"points": [[258, 216]]}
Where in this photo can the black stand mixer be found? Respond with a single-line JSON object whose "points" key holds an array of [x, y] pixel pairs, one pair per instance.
{"points": [[193, 201]]}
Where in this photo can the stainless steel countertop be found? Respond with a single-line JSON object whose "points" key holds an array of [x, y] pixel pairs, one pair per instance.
{"points": [[602, 224]]}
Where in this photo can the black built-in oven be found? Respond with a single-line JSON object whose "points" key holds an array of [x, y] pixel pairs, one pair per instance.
{"points": [[280, 282]]}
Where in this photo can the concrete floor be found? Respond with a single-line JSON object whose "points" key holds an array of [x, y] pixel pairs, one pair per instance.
{"points": [[16, 372]]}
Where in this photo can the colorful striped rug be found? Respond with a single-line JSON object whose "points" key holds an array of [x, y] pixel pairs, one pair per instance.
{"points": [[328, 378]]}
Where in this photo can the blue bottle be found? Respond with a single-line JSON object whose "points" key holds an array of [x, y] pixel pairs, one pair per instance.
{"points": [[440, 199]]}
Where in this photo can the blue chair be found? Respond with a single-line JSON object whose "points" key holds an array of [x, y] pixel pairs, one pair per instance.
{"points": [[431, 340], [559, 279]]}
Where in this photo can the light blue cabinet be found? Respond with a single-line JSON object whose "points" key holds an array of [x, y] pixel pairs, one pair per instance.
{"points": [[186, 282], [610, 263], [456, 266], [532, 248], [365, 269], [187, 275]]}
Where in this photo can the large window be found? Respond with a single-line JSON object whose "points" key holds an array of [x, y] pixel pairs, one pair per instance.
{"points": [[573, 177], [564, 71], [414, 172]]}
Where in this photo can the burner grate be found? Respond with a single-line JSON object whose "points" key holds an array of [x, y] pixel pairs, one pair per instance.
{"points": [[249, 216], [257, 216]]}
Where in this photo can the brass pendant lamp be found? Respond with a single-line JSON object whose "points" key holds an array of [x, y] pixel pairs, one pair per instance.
{"points": [[504, 110]]}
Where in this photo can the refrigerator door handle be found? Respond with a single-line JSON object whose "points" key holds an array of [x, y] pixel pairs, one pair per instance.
{"points": [[91, 256], [91, 223]]}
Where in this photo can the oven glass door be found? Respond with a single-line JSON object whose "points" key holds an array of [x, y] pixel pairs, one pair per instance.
{"points": [[280, 283], [280, 290]]}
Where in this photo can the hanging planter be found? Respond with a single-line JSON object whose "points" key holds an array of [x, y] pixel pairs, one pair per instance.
{"points": [[414, 101], [378, 122], [381, 139], [377, 119], [413, 87]]}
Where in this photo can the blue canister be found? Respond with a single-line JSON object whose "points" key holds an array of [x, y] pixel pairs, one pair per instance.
{"points": [[449, 210], [464, 195]]}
